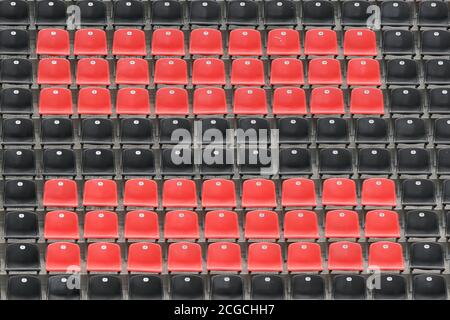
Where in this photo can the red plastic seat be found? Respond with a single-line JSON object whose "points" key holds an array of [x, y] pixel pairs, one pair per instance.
{"points": [[366, 101], [61, 225], [289, 101], [339, 192], [345, 256], [168, 42], [283, 42], [218, 193], [342, 224], [184, 257], [100, 193], [141, 224], [103, 257], [363, 72], [209, 100], [321, 42], [324, 71], [133, 101], [244, 42], [360, 42], [386, 256], [55, 101], [304, 256], [60, 193], [286, 71], [140, 193], [205, 41], [144, 257], [90, 42], [298, 192], [132, 71], [221, 224], [181, 224], [101, 224], [63, 257], [261, 224], [224, 256], [129, 42], [171, 71], [179, 193], [250, 101], [301, 224], [327, 100], [259, 193], [53, 42], [171, 101], [382, 224], [247, 71], [264, 257], [94, 101], [208, 71], [93, 72], [378, 192], [54, 71]]}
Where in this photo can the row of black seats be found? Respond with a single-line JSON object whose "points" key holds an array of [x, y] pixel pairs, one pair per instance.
{"points": [[231, 287]]}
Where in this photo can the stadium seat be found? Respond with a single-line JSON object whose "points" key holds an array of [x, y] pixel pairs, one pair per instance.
{"points": [[280, 12], [61, 225], [129, 42], [267, 287], [57, 289], [187, 287], [385, 255], [366, 101], [52, 12], [264, 257], [321, 42], [140, 193], [405, 100], [14, 12], [141, 224], [250, 101], [53, 71], [261, 224], [332, 130], [93, 72], [440, 130], [17, 131], [421, 224], [418, 192], [304, 257], [221, 224], [363, 72], [258, 193], [218, 193], [23, 287], [429, 287], [298, 192], [55, 101], [413, 161], [168, 127], [171, 101], [103, 257], [53, 42], [208, 71], [56, 131], [224, 256], [433, 13], [145, 287], [16, 101], [402, 72], [396, 13], [204, 12], [14, 41], [301, 224], [318, 13], [227, 287], [324, 71], [345, 256], [209, 100], [101, 225], [94, 101], [60, 162], [360, 42], [128, 12], [63, 257], [349, 287], [242, 12], [410, 130], [286, 71], [371, 130], [205, 41], [436, 71], [247, 72], [138, 162], [21, 225], [308, 287], [289, 101], [184, 257], [22, 257], [104, 287], [426, 256], [339, 192], [382, 224], [335, 161], [133, 71], [100, 193], [293, 130], [181, 224], [342, 224], [435, 42], [90, 42], [20, 193], [397, 41], [167, 42], [179, 193], [167, 12], [283, 42], [60, 193], [244, 42], [392, 287], [93, 12], [438, 100], [19, 162], [144, 257], [133, 101], [327, 100], [214, 131], [169, 71], [374, 161], [355, 12], [378, 192], [96, 131], [98, 162]]}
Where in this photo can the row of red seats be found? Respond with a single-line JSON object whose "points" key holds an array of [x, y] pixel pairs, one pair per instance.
{"points": [[210, 100], [224, 256], [220, 193], [210, 71], [221, 224], [205, 41]]}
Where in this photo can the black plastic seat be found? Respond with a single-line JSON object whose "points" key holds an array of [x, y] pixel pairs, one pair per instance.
{"points": [[138, 162], [18, 131], [217, 160], [227, 287], [21, 225], [293, 130], [177, 161], [374, 161], [104, 287], [443, 161], [433, 13], [136, 131], [398, 42], [331, 130], [242, 12], [98, 162], [93, 12], [396, 13], [175, 130], [206, 12], [19, 162], [410, 130], [278, 12], [187, 287], [318, 12], [51, 12], [128, 12], [167, 12], [413, 161], [391, 287], [439, 100], [62, 287], [252, 130], [426, 256], [405, 100], [435, 42], [429, 287], [59, 162], [349, 287], [421, 224], [57, 131], [14, 12], [418, 192], [14, 41], [295, 161], [267, 287], [335, 161], [16, 101], [20, 193], [16, 71], [253, 160], [22, 257], [96, 131], [24, 287], [371, 130], [355, 12], [402, 71], [441, 130], [437, 71], [145, 287], [308, 287], [214, 130]]}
